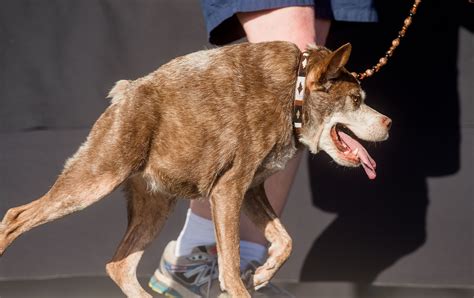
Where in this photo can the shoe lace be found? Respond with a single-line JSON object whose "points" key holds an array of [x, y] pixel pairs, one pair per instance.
{"points": [[211, 274], [247, 277]]}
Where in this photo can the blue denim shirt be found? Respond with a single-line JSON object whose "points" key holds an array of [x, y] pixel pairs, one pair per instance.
{"points": [[220, 17]]}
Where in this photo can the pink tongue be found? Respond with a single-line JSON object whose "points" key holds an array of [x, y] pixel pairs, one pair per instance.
{"points": [[367, 161]]}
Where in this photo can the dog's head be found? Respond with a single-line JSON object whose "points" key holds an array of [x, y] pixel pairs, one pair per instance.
{"points": [[335, 113]]}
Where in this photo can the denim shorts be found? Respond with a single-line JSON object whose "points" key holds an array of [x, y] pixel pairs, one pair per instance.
{"points": [[223, 26]]}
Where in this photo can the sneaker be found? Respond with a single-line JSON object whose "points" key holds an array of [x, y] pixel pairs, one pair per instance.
{"points": [[196, 275]]}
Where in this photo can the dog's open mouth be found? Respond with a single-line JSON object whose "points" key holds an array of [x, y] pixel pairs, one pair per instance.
{"points": [[351, 150]]}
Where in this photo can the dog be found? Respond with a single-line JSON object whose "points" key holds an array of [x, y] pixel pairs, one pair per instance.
{"points": [[212, 124]]}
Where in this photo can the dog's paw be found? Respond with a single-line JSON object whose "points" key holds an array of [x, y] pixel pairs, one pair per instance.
{"points": [[259, 281], [224, 295], [3, 245], [262, 285], [263, 275]]}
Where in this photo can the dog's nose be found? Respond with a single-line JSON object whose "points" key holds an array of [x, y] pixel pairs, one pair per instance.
{"points": [[387, 122]]}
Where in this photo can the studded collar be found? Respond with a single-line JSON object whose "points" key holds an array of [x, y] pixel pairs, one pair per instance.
{"points": [[299, 94]]}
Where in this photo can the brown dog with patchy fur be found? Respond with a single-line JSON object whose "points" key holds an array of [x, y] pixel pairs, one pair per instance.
{"points": [[210, 124]]}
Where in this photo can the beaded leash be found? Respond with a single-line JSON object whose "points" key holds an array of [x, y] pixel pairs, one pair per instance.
{"points": [[382, 61], [300, 82]]}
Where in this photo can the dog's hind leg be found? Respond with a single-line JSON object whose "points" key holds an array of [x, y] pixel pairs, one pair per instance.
{"points": [[257, 207], [101, 164], [147, 212]]}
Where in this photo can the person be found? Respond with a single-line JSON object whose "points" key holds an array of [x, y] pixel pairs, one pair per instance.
{"points": [[188, 265]]}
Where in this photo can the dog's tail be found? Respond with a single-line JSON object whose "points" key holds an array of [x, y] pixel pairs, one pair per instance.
{"points": [[116, 93]]}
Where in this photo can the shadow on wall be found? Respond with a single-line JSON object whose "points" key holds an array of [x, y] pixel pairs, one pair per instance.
{"points": [[378, 222]]}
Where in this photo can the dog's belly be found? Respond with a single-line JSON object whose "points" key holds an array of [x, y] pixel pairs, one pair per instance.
{"points": [[158, 180], [178, 175], [181, 175]]}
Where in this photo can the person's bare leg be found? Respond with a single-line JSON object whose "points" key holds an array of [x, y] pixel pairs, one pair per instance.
{"points": [[298, 25]]}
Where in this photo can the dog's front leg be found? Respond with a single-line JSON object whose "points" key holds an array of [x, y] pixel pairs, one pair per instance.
{"points": [[257, 207], [226, 200]]}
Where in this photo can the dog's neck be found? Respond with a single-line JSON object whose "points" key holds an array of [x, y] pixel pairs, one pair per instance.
{"points": [[300, 89]]}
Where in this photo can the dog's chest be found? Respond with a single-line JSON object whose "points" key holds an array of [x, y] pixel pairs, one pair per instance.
{"points": [[275, 161]]}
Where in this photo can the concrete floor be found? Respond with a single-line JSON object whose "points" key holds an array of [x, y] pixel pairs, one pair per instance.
{"points": [[76, 287]]}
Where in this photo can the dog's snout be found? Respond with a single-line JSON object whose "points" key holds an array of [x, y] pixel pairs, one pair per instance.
{"points": [[387, 122]]}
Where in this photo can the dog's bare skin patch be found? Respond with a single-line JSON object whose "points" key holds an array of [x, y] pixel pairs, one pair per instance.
{"points": [[210, 124]]}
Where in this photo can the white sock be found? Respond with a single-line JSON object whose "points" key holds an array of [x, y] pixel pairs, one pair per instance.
{"points": [[250, 251], [200, 231], [196, 231]]}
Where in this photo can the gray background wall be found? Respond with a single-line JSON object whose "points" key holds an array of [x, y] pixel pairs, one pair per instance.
{"points": [[59, 58]]}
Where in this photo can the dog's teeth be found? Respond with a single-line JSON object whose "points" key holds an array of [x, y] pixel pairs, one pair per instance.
{"points": [[347, 151], [356, 150]]}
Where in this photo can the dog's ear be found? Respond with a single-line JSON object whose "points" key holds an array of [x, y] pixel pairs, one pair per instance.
{"points": [[329, 67], [337, 60]]}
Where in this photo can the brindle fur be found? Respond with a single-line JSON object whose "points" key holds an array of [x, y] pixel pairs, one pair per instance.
{"points": [[211, 124]]}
